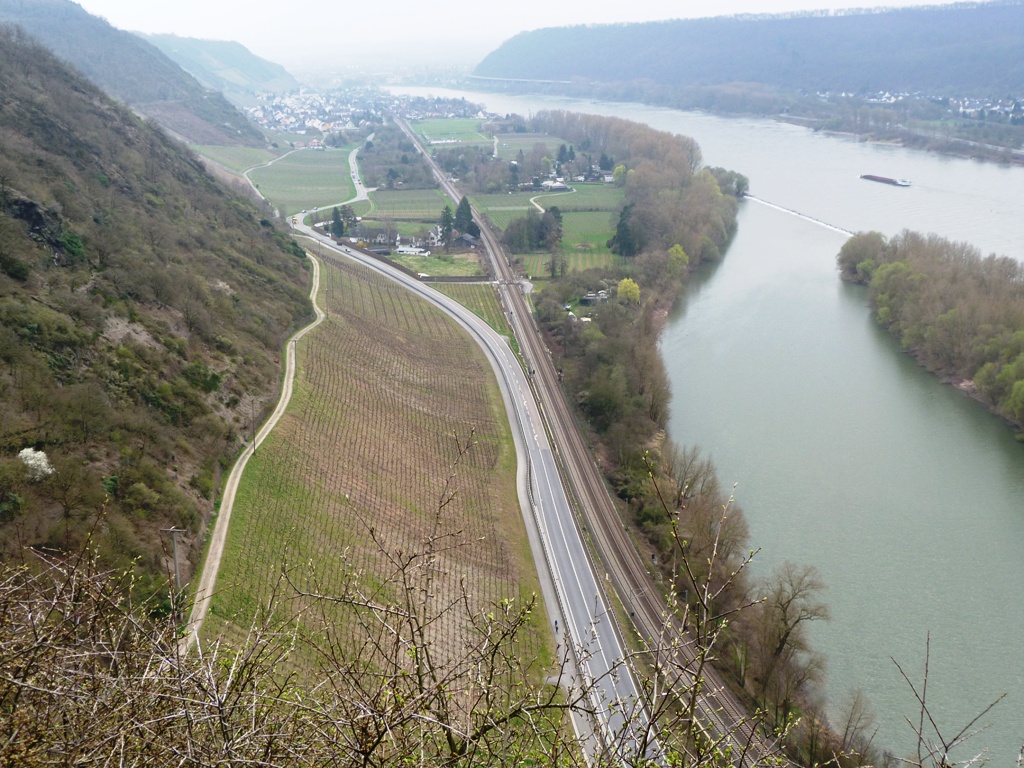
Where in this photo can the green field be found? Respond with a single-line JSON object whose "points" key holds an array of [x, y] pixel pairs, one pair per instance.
{"points": [[501, 209], [509, 144], [238, 159], [588, 197], [306, 179], [536, 264], [587, 230], [439, 264], [410, 205], [461, 130]]}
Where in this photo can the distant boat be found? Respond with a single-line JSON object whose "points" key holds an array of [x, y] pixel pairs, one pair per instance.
{"points": [[885, 180]]}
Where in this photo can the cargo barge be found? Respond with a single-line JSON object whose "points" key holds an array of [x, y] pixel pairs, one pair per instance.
{"points": [[885, 180]]}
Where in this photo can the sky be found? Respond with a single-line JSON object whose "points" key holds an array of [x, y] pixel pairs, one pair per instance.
{"points": [[345, 33]]}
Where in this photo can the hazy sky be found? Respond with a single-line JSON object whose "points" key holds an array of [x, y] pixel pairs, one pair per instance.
{"points": [[343, 31]]}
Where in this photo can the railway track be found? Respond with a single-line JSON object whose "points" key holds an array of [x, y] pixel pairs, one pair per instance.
{"points": [[723, 716]]}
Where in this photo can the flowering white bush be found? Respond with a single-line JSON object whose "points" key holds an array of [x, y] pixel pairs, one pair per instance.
{"points": [[39, 466]]}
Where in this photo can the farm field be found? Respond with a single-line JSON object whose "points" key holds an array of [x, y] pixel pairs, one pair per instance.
{"points": [[501, 209], [306, 179], [387, 388], [460, 130], [588, 197], [587, 230], [439, 264], [509, 144], [537, 264], [413, 204], [238, 159]]}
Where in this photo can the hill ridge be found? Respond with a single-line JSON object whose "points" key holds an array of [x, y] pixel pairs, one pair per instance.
{"points": [[964, 47]]}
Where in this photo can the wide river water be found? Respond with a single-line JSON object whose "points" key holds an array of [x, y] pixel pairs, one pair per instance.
{"points": [[906, 495]]}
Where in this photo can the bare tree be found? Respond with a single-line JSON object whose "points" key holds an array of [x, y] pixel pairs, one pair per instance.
{"points": [[934, 748], [784, 661]]}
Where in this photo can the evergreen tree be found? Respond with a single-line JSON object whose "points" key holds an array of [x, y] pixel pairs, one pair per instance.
{"points": [[447, 222], [624, 243], [463, 215], [337, 225]]}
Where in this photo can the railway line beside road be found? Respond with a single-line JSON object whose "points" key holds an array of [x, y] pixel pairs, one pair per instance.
{"points": [[644, 617]]}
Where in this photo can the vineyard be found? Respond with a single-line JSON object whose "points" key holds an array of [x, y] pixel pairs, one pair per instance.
{"points": [[237, 159], [480, 299], [306, 178], [355, 473]]}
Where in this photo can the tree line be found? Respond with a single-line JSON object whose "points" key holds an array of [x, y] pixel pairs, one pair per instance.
{"points": [[959, 313]]}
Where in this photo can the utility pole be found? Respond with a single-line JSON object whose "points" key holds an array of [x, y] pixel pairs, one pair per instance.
{"points": [[252, 422]]}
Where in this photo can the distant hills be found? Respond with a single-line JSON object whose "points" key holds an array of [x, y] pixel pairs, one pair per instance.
{"points": [[143, 308], [226, 66], [957, 49], [133, 71]]}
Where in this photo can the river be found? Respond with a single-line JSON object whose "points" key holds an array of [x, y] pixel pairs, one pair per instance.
{"points": [[907, 496]]}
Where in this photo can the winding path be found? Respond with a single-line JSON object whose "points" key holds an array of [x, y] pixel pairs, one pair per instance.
{"points": [[208, 580], [205, 589]]}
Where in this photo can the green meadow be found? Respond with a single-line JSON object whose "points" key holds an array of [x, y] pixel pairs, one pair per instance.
{"points": [[461, 130]]}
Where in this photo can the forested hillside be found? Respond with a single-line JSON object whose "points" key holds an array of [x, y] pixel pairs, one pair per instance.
{"points": [[132, 71], [962, 48], [226, 66], [142, 312]]}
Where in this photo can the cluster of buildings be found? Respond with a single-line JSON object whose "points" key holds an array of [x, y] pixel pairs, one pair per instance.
{"points": [[348, 109], [310, 112], [1007, 109]]}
